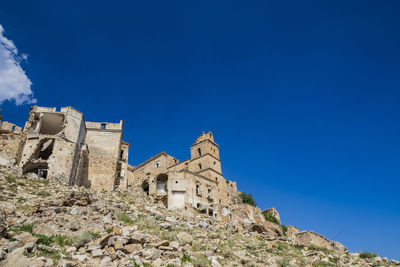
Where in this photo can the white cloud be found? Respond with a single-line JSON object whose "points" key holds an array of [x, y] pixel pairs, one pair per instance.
{"points": [[14, 84]]}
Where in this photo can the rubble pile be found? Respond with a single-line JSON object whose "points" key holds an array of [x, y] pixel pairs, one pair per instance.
{"points": [[46, 223]]}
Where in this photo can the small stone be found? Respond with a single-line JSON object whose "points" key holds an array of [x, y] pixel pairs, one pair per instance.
{"points": [[170, 219], [29, 246], [105, 241], [157, 263], [118, 245], [74, 226], [155, 253], [174, 245], [165, 248], [167, 226], [184, 238], [162, 243], [25, 238], [132, 248], [71, 250], [97, 252], [117, 230], [11, 246], [49, 262], [74, 211], [64, 263], [3, 254], [137, 237], [203, 224], [214, 262], [79, 258]]}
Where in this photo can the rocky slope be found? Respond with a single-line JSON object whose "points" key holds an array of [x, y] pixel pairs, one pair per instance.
{"points": [[43, 223]]}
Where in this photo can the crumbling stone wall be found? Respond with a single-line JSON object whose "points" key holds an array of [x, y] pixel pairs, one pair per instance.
{"points": [[102, 172], [104, 142], [11, 143]]}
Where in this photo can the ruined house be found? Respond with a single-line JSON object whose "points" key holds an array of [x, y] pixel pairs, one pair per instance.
{"points": [[61, 145], [55, 144], [11, 143], [108, 155], [194, 183]]}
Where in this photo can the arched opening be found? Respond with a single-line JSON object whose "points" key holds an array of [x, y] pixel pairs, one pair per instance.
{"points": [[200, 166], [145, 187], [199, 150]]}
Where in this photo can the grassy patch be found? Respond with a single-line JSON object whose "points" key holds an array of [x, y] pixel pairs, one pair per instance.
{"points": [[201, 261], [43, 193], [123, 217], [185, 258], [11, 179], [270, 218], [319, 248], [84, 238], [323, 264], [26, 227], [367, 255]]}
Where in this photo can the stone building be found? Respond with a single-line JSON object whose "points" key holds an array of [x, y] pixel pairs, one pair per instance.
{"points": [[55, 144], [61, 145], [194, 183], [108, 155]]}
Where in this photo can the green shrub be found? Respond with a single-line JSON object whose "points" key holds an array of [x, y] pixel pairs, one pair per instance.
{"points": [[270, 218], [284, 229], [185, 258], [367, 255], [247, 199], [124, 218], [44, 239], [10, 179], [201, 261], [319, 248], [26, 227]]}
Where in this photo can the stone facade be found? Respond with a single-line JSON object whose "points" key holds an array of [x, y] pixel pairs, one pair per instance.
{"points": [[104, 141], [60, 145], [11, 143], [194, 183]]}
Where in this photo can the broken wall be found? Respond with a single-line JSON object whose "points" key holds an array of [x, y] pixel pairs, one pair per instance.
{"points": [[11, 143], [104, 144], [53, 144]]}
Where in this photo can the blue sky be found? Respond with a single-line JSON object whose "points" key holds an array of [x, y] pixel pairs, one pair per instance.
{"points": [[302, 96]]}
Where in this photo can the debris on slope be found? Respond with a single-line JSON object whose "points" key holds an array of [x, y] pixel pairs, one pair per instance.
{"points": [[44, 223]]}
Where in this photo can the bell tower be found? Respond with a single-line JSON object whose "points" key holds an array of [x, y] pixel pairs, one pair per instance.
{"points": [[205, 154]]}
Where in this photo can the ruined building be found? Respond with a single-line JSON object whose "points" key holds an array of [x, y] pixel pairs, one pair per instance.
{"points": [[194, 183], [61, 145]]}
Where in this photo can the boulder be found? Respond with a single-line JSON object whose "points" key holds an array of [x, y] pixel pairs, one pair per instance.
{"points": [[16, 259], [132, 248], [78, 198], [184, 238], [25, 238]]}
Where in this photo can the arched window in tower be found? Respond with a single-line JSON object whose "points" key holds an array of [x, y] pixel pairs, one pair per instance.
{"points": [[199, 150], [200, 166]]}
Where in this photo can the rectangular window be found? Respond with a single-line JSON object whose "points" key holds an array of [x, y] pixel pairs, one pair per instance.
{"points": [[103, 126]]}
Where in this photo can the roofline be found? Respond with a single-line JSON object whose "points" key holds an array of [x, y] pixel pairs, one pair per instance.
{"points": [[204, 141], [152, 158]]}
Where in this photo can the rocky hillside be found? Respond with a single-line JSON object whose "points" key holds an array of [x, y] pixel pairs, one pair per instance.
{"points": [[43, 223]]}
